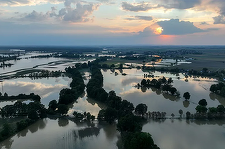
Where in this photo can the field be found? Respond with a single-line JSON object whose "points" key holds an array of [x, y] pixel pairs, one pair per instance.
{"points": [[212, 59]]}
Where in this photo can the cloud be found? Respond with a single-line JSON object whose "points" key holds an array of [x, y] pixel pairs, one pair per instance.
{"points": [[204, 23], [177, 27], [148, 31], [27, 2], [219, 19], [79, 14], [167, 4], [136, 6], [146, 18], [179, 4], [107, 1]]}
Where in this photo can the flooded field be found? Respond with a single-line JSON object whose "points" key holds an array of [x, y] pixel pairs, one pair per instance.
{"points": [[167, 134], [63, 134], [156, 99]]}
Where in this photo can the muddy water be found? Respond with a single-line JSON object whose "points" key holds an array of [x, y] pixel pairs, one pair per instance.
{"points": [[182, 134], [47, 88], [167, 134], [63, 134], [157, 100]]}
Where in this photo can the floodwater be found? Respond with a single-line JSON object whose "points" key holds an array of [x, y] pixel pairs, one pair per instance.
{"points": [[63, 134], [47, 88], [52, 64], [167, 134], [157, 100], [182, 134]]}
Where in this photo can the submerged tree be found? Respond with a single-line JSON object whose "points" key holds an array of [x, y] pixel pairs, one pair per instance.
{"points": [[141, 109], [187, 95]]}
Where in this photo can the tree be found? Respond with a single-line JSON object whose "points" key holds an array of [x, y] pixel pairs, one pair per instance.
{"points": [[110, 115], [129, 123], [172, 115], [6, 130], [212, 110], [170, 80], [143, 82], [180, 112], [201, 109], [33, 115], [139, 140], [173, 90], [5, 95], [220, 108], [188, 115], [202, 102], [187, 95], [166, 87], [213, 88], [141, 109], [53, 105], [164, 80], [101, 115], [63, 109]]}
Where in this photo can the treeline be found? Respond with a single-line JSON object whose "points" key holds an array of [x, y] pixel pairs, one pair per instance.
{"points": [[218, 89], [129, 125], [161, 83], [32, 96], [68, 95], [34, 110], [202, 112]]}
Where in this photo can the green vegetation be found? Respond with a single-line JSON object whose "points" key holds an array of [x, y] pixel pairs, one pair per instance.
{"points": [[218, 89], [32, 96]]}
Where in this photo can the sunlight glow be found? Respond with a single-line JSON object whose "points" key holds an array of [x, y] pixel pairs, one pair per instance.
{"points": [[158, 30]]}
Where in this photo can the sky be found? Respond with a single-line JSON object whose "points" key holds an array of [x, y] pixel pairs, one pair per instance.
{"points": [[112, 22]]}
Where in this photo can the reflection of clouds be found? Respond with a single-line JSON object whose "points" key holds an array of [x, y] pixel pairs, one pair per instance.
{"points": [[131, 91], [165, 136], [129, 81], [109, 86], [82, 105], [44, 90]]}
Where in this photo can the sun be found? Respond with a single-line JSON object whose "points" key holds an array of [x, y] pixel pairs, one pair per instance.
{"points": [[158, 30]]}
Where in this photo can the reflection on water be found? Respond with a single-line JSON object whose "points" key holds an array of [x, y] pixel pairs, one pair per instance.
{"points": [[181, 134], [58, 134], [155, 99], [47, 88]]}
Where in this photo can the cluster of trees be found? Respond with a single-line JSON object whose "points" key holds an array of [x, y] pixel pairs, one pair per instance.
{"points": [[69, 95], [34, 110], [94, 86], [44, 74], [209, 113], [32, 96], [161, 83], [85, 116], [129, 125], [5, 132], [218, 89]]}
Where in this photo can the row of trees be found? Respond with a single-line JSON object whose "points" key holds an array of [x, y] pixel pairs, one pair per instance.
{"points": [[218, 89], [129, 125], [69, 95], [32, 96], [34, 110]]}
